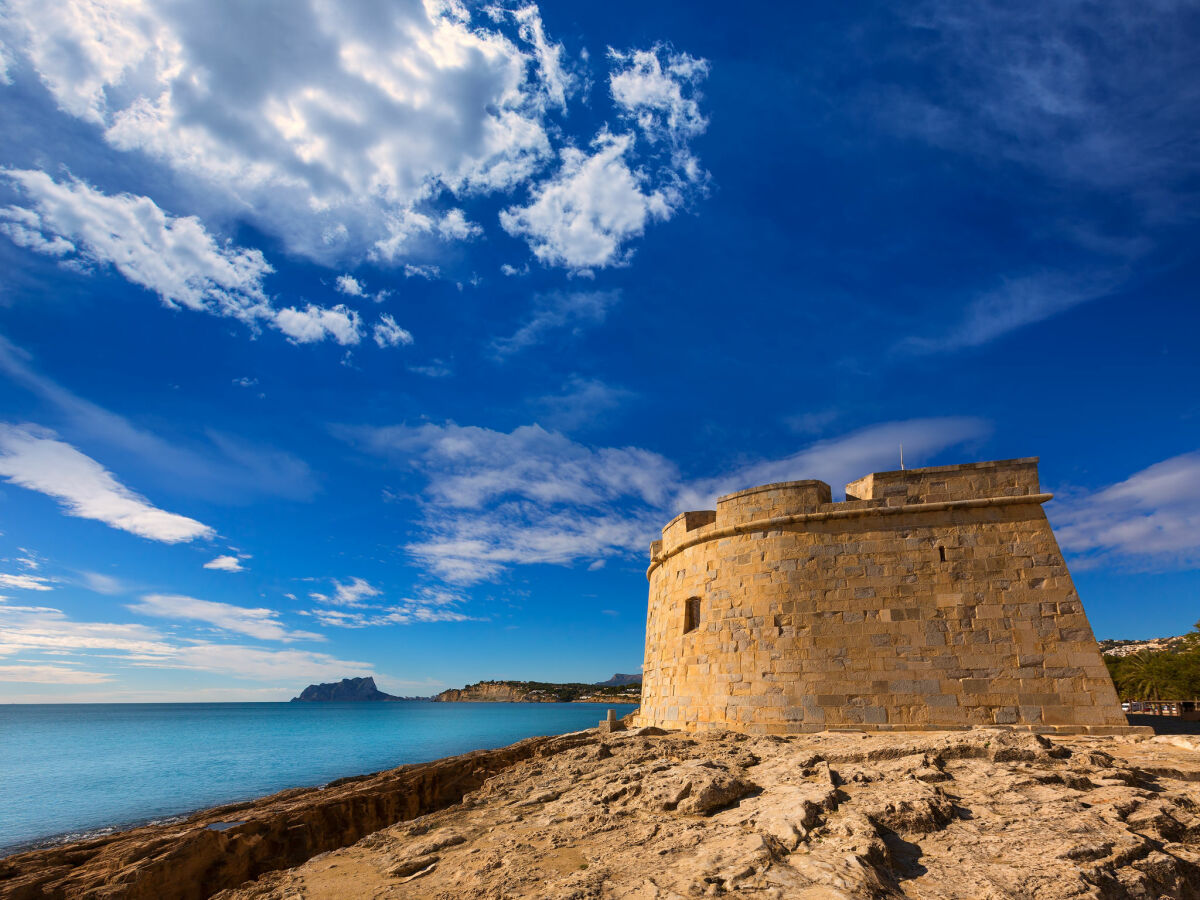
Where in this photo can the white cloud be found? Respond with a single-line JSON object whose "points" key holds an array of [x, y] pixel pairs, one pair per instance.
{"points": [[25, 582], [493, 499], [175, 257], [348, 593], [594, 205], [388, 334], [293, 666], [426, 272], [31, 674], [351, 286], [650, 87], [257, 623], [31, 457], [354, 119], [558, 311], [225, 564], [315, 323], [405, 614], [1149, 520], [39, 629]]}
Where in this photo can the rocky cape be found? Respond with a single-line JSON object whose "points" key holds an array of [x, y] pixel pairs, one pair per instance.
{"points": [[541, 692], [988, 813], [348, 690]]}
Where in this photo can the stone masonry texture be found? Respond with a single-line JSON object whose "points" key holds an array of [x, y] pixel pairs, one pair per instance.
{"points": [[931, 598]]}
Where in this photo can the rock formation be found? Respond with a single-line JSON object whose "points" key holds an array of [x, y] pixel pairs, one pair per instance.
{"points": [[348, 690], [989, 813]]}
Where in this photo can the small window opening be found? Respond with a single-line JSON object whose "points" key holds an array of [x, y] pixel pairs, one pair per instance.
{"points": [[942, 553], [691, 614]]}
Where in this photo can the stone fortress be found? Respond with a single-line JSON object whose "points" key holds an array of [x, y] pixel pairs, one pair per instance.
{"points": [[932, 598]]}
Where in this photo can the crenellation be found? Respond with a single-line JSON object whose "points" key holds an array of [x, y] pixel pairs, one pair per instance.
{"points": [[930, 598]]}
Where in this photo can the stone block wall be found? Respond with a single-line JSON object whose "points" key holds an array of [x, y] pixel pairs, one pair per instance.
{"points": [[932, 598]]}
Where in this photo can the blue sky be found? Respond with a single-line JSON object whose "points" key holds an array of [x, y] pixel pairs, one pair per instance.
{"points": [[379, 338]]}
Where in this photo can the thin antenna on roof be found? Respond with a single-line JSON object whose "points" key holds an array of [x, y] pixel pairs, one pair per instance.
{"points": [[902, 457]]}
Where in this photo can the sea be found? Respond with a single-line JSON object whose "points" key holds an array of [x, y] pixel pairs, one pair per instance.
{"points": [[69, 771]]}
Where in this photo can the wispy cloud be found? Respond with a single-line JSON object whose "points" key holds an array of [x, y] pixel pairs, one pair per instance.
{"points": [[1016, 303], [25, 582], [256, 623], [33, 674], [33, 458], [1151, 520], [583, 402], [28, 630], [494, 500], [556, 312], [354, 592]]}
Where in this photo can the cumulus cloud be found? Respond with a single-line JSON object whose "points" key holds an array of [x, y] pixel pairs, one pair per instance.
{"points": [[570, 311], [493, 500], [257, 623], [25, 582], [174, 257], [349, 285], [657, 89], [360, 128], [33, 458], [594, 205], [225, 564], [1151, 520]]}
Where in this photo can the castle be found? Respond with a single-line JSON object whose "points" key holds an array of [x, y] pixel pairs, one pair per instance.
{"points": [[932, 598]]}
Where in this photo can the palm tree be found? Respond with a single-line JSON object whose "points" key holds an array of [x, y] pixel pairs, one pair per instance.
{"points": [[1144, 680]]}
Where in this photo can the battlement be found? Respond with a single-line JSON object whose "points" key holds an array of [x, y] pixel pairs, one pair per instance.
{"points": [[992, 480], [939, 484]]}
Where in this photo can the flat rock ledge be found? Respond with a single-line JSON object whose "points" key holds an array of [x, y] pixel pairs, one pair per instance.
{"points": [[649, 814]]}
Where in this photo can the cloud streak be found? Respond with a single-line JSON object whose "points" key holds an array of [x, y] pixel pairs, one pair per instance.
{"points": [[1151, 520], [33, 458]]}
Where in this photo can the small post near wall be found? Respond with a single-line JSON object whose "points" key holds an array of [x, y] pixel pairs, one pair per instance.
{"points": [[611, 723]]}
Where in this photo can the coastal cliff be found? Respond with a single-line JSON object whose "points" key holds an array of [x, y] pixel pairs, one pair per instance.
{"points": [[646, 813], [348, 690], [540, 692]]}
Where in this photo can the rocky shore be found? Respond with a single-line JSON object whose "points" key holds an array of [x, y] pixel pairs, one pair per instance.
{"points": [[646, 814]]}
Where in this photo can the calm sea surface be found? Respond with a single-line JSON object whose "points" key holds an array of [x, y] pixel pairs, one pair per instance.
{"points": [[73, 769]]}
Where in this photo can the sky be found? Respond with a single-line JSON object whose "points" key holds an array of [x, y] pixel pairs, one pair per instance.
{"points": [[381, 338]]}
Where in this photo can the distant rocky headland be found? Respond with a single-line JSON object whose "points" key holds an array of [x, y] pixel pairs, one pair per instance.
{"points": [[620, 688], [542, 692], [348, 690]]}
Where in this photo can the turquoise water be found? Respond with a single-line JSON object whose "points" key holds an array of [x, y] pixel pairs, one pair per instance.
{"points": [[67, 770]]}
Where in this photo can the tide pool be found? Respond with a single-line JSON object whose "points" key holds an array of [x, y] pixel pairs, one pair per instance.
{"points": [[70, 769]]}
